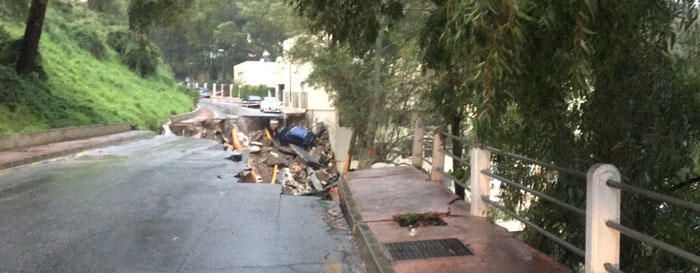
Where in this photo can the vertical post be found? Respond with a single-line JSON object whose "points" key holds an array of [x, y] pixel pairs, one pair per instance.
{"points": [[196, 85], [417, 149], [480, 185], [230, 90], [213, 90], [602, 204], [437, 173]]}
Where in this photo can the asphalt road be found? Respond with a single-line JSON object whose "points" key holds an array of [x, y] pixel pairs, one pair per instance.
{"points": [[223, 108], [168, 204]]}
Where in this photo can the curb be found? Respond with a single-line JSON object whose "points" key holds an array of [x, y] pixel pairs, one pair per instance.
{"points": [[371, 251], [26, 140], [143, 135], [185, 116]]}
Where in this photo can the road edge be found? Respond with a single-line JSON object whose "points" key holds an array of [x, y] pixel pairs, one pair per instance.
{"points": [[370, 250], [141, 136]]}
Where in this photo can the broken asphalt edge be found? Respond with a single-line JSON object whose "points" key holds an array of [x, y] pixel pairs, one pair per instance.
{"points": [[370, 250], [141, 136]]}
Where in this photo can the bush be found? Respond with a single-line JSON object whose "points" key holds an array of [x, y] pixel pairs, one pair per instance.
{"points": [[253, 90], [139, 54], [118, 40], [8, 48], [87, 37]]}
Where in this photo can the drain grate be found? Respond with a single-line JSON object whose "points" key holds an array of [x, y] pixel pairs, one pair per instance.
{"points": [[427, 249]]}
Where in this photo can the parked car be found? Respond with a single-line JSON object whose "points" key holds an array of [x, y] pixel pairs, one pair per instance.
{"points": [[271, 105], [252, 101], [298, 136], [204, 93]]}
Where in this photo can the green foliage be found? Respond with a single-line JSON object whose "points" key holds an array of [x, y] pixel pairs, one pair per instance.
{"points": [[87, 36], [111, 7], [242, 29], [572, 82], [140, 55], [145, 15], [14, 9], [77, 88], [409, 219], [355, 23], [252, 90]]}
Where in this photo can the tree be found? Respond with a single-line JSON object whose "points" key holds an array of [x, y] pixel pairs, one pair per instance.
{"points": [[573, 82], [26, 62], [112, 7]]}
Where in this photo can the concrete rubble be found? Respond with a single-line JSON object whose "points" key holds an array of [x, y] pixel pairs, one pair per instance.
{"points": [[300, 170]]}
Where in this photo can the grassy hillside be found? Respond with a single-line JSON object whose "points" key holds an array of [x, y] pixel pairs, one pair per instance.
{"points": [[83, 80]]}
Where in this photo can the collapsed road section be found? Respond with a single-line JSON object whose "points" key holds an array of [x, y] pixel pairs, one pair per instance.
{"points": [[285, 150]]}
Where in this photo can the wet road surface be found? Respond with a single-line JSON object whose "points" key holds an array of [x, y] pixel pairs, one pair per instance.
{"points": [[223, 108], [167, 204]]}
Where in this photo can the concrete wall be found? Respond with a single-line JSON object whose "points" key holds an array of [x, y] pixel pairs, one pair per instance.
{"points": [[256, 73], [18, 141]]}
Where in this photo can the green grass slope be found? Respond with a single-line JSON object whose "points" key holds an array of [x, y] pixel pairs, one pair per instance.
{"points": [[77, 88]]}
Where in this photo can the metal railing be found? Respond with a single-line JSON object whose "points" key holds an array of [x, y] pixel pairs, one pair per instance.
{"points": [[602, 212]]}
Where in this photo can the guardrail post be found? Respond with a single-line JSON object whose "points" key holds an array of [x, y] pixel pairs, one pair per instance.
{"points": [[479, 159], [437, 173], [418, 133], [213, 90], [602, 204]]}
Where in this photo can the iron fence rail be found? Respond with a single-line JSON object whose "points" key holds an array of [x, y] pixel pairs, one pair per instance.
{"points": [[628, 232], [536, 162], [542, 195], [459, 159], [654, 195], [460, 140], [457, 181], [653, 241], [551, 236]]}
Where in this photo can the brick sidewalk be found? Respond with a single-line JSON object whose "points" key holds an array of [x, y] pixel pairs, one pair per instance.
{"points": [[372, 197]]}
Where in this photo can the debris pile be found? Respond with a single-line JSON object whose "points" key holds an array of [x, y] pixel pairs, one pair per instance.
{"points": [[299, 159]]}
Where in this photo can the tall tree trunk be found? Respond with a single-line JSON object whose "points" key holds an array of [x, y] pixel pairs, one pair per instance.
{"points": [[32, 35]]}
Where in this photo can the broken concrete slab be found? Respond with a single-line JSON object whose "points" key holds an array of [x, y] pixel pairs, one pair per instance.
{"points": [[314, 180], [306, 157]]}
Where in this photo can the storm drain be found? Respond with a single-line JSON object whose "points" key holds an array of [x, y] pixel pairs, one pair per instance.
{"points": [[427, 249]]}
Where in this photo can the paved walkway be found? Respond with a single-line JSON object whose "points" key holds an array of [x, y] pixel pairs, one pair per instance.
{"points": [[379, 194], [22, 156]]}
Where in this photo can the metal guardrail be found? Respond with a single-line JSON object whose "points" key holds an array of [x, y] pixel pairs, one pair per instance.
{"points": [[542, 195], [626, 231], [654, 195], [551, 236], [654, 242]]}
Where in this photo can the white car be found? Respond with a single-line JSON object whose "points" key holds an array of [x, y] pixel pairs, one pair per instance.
{"points": [[271, 105]]}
